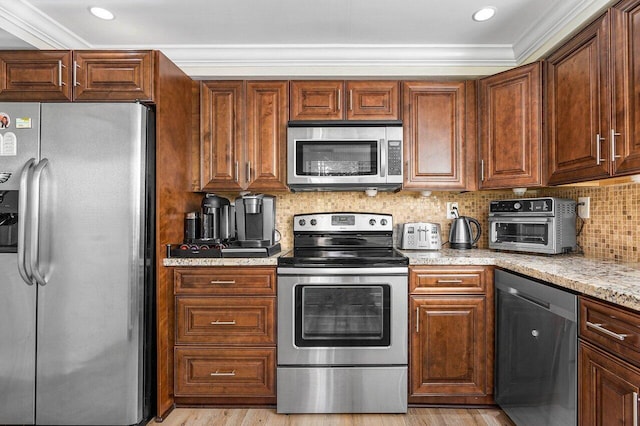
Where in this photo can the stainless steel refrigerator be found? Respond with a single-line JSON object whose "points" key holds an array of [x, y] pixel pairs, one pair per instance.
{"points": [[76, 263]]}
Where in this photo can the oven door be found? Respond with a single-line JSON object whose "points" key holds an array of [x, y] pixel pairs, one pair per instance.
{"points": [[342, 316], [530, 234]]}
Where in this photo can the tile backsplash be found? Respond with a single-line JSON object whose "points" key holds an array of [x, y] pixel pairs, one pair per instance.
{"points": [[611, 232]]}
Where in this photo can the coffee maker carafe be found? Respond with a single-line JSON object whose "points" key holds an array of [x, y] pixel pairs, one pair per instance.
{"points": [[255, 220], [218, 219]]}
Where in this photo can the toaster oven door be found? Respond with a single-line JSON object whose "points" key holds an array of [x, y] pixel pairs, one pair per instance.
{"points": [[533, 234]]}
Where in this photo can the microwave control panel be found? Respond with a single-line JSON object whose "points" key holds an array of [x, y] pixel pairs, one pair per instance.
{"points": [[395, 158]]}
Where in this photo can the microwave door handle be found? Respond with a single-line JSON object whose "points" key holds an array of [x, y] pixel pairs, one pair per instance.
{"points": [[383, 158]]}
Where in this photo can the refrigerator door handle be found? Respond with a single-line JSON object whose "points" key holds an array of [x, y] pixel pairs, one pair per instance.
{"points": [[35, 223], [23, 246]]}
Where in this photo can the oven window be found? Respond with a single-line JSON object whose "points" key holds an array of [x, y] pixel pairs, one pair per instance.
{"points": [[333, 315], [337, 158], [532, 233]]}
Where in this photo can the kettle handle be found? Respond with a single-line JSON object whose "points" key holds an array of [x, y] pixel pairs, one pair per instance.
{"points": [[477, 224]]}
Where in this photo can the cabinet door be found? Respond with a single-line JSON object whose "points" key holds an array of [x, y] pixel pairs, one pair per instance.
{"points": [[578, 106], [608, 389], [35, 75], [317, 100], [221, 134], [625, 128], [112, 75], [266, 144], [510, 123], [448, 347], [434, 135], [373, 100]]}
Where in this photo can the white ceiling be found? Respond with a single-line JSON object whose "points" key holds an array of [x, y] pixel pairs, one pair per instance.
{"points": [[304, 37]]}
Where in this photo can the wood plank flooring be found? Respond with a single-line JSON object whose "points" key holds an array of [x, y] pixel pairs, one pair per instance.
{"points": [[269, 417]]}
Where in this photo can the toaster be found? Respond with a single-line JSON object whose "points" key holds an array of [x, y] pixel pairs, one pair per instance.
{"points": [[421, 236]]}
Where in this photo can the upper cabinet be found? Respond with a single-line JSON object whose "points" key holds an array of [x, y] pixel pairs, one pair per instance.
{"points": [[593, 106], [243, 137], [345, 100], [439, 128], [76, 76], [510, 128], [28, 75]]}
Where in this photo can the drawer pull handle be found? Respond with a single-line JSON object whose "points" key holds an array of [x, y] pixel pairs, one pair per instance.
{"points": [[449, 281], [224, 282], [600, 328], [219, 373], [218, 322], [635, 408]]}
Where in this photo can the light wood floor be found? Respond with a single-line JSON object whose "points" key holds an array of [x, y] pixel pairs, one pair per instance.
{"points": [[269, 417]]}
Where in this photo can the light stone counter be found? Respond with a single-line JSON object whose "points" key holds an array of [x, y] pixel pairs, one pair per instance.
{"points": [[607, 280]]}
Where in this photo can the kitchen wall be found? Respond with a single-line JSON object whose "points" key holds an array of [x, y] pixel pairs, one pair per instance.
{"points": [[612, 232]]}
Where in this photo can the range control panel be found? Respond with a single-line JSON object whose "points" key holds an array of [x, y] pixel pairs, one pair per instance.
{"points": [[332, 222], [522, 207]]}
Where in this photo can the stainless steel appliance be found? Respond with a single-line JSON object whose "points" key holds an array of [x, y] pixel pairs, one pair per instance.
{"points": [[342, 317], [536, 351], [344, 158], [76, 293], [538, 225], [421, 236], [461, 235], [218, 219], [256, 220]]}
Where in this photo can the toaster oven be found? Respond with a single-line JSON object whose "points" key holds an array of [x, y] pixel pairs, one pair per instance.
{"points": [[535, 225]]}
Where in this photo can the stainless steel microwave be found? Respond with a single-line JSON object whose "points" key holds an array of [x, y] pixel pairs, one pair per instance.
{"points": [[344, 157]]}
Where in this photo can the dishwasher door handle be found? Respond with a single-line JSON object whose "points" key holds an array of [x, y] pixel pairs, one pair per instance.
{"points": [[529, 298]]}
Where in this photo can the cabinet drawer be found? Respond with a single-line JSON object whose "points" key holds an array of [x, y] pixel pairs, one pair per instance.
{"points": [[224, 372], [611, 327], [222, 281], [448, 280], [226, 320]]}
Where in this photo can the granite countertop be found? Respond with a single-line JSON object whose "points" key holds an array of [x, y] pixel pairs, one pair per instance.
{"points": [[607, 280]]}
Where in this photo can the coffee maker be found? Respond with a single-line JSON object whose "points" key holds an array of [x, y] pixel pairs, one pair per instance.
{"points": [[218, 219], [255, 220]]}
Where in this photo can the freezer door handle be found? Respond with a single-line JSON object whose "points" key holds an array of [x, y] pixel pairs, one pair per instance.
{"points": [[23, 246], [35, 222]]}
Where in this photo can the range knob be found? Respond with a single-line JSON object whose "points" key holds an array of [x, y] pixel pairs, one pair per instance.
{"points": [[383, 222], [372, 222], [314, 222], [302, 222], [517, 206]]}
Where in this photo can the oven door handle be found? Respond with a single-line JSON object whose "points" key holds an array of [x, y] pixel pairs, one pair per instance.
{"points": [[397, 270], [515, 219]]}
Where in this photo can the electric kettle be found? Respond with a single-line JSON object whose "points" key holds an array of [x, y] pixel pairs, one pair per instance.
{"points": [[461, 235]]}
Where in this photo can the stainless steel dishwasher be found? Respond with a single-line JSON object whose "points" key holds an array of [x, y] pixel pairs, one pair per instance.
{"points": [[536, 351]]}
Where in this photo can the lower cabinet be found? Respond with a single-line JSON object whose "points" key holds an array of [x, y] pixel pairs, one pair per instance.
{"points": [[225, 337], [609, 364], [451, 335]]}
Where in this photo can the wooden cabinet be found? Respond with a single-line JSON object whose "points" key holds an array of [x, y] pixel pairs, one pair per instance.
{"points": [[609, 361], [243, 129], [592, 99], [439, 130], [27, 75], [345, 100], [510, 128], [451, 335], [106, 75], [225, 338]]}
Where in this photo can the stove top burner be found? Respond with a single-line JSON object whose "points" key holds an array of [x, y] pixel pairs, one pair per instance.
{"points": [[348, 258]]}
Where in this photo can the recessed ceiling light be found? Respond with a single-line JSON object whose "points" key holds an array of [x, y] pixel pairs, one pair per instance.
{"points": [[484, 14], [101, 13]]}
